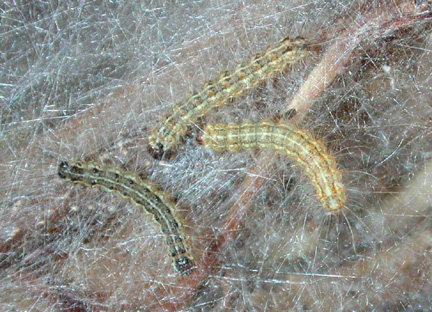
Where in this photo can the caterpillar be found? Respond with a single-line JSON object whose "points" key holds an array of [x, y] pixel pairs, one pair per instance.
{"points": [[141, 192], [285, 139], [217, 92]]}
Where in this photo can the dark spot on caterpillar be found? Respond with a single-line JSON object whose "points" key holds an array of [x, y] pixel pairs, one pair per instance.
{"points": [[164, 229], [173, 252]]}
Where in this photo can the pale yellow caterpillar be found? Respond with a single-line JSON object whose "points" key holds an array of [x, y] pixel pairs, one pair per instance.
{"points": [[217, 92], [141, 192], [285, 139]]}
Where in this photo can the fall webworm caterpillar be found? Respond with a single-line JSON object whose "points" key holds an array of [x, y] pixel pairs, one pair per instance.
{"points": [[141, 192], [217, 92], [287, 140]]}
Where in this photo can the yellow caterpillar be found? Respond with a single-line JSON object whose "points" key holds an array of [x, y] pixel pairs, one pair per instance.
{"points": [[285, 139], [216, 93]]}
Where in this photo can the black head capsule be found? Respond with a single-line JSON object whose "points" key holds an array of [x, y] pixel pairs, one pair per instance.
{"points": [[184, 265], [62, 169], [157, 151]]}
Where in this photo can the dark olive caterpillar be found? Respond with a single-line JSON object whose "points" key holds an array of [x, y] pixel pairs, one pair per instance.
{"points": [[141, 192], [219, 91]]}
